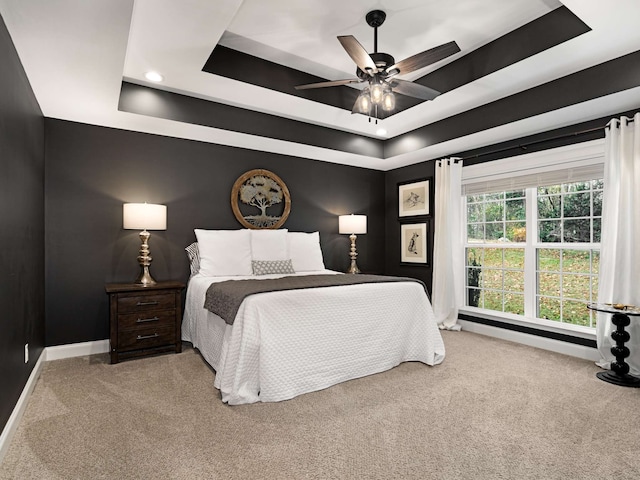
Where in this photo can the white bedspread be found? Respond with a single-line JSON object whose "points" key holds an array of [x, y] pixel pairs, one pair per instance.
{"points": [[283, 344]]}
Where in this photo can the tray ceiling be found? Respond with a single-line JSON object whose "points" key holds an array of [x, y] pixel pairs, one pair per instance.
{"points": [[525, 66]]}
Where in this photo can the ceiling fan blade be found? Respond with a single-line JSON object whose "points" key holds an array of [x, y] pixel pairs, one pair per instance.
{"points": [[421, 60], [333, 83], [413, 89], [358, 54]]}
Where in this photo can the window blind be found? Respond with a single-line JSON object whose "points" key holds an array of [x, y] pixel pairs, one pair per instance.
{"points": [[573, 163]]}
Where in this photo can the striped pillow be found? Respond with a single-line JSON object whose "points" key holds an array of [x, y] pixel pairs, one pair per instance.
{"points": [[194, 258]]}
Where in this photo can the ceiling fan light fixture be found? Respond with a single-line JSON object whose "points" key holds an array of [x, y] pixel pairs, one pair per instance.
{"points": [[377, 92], [388, 101], [363, 103]]}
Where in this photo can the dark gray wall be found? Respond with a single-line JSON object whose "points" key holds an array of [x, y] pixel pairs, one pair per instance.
{"points": [[393, 266], [22, 232], [91, 171]]}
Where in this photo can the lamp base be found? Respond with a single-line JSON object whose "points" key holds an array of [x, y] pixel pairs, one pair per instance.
{"points": [[145, 277], [353, 254], [353, 268], [144, 259]]}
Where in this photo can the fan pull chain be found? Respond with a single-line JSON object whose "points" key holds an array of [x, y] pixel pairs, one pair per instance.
{"points": [[376, 115]]}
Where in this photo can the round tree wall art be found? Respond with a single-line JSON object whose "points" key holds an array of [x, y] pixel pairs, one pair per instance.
{"points": [[260, 199]]}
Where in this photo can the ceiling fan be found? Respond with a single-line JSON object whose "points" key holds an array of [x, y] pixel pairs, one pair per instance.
{"points": [[380, 70]]}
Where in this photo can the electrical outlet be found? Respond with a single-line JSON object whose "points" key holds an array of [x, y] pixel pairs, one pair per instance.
{"points": [[26, 353]]}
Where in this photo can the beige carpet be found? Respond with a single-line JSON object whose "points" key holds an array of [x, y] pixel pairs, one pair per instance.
{"points": [[492, 410]]}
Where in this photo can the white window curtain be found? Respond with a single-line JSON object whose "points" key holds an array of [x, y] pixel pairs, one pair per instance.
{"points": [[619, 277], [448, 264]]}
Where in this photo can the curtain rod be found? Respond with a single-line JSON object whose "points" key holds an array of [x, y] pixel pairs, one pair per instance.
{"points": [[524, 146]]}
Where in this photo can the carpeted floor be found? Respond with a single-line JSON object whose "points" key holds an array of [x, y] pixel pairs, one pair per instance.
{"points": [[492, 410]]}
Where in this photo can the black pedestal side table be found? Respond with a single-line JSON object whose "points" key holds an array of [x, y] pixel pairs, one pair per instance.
{"points": [[619, 373]]}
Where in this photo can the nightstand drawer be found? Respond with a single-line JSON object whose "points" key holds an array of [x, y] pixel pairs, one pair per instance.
{"points": [[140, 303], [146, 337], [155, 318]]}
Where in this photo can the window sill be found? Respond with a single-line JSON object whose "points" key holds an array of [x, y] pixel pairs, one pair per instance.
{"points": [[536, 323]]}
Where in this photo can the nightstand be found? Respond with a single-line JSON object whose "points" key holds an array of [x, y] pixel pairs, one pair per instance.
{"points": [[144, 320]]}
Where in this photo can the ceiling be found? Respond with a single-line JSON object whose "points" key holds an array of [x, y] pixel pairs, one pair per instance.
{"points": [[77, 53]]}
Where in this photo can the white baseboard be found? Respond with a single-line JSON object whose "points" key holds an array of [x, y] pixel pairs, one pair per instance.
{"points": [[76, 349], [558, 346], [14, 420], [49, 353]]}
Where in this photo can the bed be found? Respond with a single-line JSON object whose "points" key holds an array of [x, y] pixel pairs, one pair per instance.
{"points": [[282, 344]]}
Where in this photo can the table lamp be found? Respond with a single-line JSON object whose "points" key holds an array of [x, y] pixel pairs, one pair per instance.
{"points": [[352, 224], [136, 216]]}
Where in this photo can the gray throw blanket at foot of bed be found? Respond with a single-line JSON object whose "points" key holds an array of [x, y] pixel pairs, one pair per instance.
{"points": [[224, 298]]}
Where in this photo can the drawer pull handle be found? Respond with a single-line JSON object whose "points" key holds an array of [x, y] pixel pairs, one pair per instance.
{"points": [[144, 337], [144, 320], [144, 304]]}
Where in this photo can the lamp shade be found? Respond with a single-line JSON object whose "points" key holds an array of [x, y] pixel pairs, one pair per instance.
{"points": [[352, 224], [144, 216]]}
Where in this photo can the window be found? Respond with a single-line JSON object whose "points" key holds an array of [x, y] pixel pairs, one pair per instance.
{"points": [[534, 250], [566, 277], [566, 280], [570, 212], [495, 272]]}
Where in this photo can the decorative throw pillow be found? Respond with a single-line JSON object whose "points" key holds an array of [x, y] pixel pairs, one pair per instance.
{"points": [[265, 267], [194, 258]]}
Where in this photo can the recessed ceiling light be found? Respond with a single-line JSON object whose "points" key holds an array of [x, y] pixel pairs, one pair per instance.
{"points": [[153, 76], [381, 132]]}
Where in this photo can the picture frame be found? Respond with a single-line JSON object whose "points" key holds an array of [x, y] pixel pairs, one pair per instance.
{"points": [[256, 191], [414, 198], [413, 243]]}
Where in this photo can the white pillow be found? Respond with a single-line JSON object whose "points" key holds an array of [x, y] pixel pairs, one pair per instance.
{"points": [[304, 251], [269, 244], [224, 252]]}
